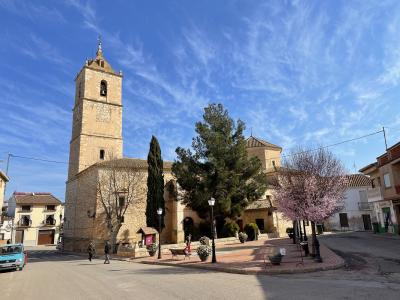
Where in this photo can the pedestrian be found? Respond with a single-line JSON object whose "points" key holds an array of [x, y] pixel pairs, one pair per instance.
{"points": [[107, 248], [91, 250], [8, 241]]}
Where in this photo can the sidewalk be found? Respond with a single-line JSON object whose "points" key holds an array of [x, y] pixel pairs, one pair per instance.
{"points": [[252, 258]]}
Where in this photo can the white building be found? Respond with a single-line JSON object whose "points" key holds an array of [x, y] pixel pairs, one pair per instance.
{"points": [[37, 218], [356, 211]]}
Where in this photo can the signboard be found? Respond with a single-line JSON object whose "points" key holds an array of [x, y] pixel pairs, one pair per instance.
{"points": [[149, 240]]}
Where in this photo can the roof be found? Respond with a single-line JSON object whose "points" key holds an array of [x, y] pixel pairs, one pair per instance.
{"points": [[374, 164], [4, 176], [253, 142], [35, 198], [259, 204], [147, 230], [356, 180], [100, 63], [130, 163]]}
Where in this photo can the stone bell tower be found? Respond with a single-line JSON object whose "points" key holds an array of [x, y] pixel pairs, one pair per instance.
{"points": [[97, 115]]}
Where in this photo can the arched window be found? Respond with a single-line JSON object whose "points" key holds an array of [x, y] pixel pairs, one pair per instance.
{"points": [[103, 88]]}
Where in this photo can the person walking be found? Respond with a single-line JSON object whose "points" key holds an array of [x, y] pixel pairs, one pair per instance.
{"points": [[91, 250], [107, 248]]}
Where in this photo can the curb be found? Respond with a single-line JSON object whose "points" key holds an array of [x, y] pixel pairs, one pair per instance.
{"points": [[248, 272]]}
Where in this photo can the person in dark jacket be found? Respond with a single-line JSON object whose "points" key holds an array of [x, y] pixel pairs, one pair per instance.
{"points": [[107, 249], [91, 250]]}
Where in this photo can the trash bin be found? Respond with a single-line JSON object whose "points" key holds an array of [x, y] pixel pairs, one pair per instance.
{"points": [[375, 225], [320, 229]]}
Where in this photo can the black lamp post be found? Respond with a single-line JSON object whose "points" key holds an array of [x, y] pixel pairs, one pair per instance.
{"points": [[211, 202], [159, 213]]}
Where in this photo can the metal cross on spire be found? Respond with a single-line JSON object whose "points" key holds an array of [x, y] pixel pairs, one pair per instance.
{"points": [[99, 49]]}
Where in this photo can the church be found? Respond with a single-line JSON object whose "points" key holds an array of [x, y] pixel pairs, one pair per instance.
{"points": [[97, 144]]}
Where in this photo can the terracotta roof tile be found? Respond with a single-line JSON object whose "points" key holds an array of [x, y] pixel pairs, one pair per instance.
{"points": [[252, 142], [357, 180], [36, 198]]}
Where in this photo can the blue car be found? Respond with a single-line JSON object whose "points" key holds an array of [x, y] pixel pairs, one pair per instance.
{"points": [[12, 257]]}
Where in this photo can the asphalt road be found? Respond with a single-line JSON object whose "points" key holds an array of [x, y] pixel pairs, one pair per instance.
{"points": [[50, 275]]}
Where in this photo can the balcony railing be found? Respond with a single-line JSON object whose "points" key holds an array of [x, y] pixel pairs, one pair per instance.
{"points": [[49, 222], [374, 194], [24, 223], [364, 206]]}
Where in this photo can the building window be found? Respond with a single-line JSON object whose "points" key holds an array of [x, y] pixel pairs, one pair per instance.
{"points": [[50, 220], [273, 163], [50, 207], [103, 88], [25, 221], [121, 201], [102, 154], [25, 208], [386, 180]]}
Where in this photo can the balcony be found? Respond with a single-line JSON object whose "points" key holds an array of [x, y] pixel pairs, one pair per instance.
{"points": [[364, 206], [24, 210], [374, 194], [24, 223], [49, 222]]}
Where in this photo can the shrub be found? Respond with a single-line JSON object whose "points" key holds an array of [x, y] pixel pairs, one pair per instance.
{"points": [[251, 230], [203, 250], [152, 248], [243, 237], [204, 241], [230, 228]]}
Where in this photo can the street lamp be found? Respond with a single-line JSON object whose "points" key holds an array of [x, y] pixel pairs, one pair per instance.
{"points": [[159, 213], [211, 202]]}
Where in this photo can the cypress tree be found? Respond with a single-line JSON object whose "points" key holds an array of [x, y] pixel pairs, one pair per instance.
{"points": [[155, 185]]}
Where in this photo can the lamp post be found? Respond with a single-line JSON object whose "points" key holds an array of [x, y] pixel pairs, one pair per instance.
{"points": [[159, 213], [211, 202]]}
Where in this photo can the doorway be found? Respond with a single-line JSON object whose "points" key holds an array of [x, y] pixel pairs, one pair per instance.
{"points": [[367, 222], [46, 237], [19, 236]]}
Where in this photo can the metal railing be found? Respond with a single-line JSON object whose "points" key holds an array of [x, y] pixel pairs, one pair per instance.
{"points": [[364, 206]]}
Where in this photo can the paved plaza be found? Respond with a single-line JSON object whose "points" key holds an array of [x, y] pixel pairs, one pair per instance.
{"points": [[51, 275]]}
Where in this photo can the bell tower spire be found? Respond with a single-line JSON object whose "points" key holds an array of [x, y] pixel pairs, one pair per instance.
{"points": [[99, 52]]}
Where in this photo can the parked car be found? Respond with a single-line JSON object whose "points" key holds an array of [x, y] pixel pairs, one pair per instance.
{"points": [[12, 257]]}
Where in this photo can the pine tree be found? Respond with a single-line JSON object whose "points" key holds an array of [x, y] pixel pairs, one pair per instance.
{"points": [[219, 167], [155, 184]]}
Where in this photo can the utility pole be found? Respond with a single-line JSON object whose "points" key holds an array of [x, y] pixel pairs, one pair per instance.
{"points": [[384, 136], [4, 196]]}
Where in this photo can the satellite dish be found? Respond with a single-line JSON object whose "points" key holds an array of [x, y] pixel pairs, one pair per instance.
{"points": [[8, 228]]}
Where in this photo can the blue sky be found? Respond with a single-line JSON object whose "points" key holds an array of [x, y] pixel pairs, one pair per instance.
{"points": [[296, 72]]}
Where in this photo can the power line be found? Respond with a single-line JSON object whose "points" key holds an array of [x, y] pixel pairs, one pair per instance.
{"points": [[287, 155]]}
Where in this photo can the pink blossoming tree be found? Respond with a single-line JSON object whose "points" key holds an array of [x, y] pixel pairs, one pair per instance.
{"points": [[311, 186]]}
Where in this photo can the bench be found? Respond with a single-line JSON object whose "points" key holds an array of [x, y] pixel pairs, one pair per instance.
{"points": [[176, 252]]}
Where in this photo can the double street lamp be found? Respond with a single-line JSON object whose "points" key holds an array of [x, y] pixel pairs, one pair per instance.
{"points": [[159, 213], [211, 202]]}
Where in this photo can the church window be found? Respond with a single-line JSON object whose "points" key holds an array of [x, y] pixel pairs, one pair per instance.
{"points": [[102, 63], [102, 154], [103, 88], [121, 201]]}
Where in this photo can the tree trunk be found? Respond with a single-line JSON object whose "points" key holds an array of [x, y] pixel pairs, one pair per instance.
{"points": [[314, 238], [113, 237], [294, 232]]}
